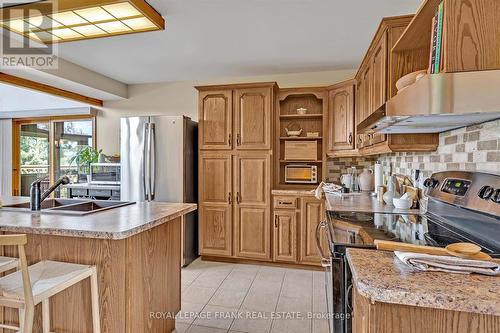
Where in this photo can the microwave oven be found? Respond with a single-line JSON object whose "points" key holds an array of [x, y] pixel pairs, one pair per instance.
{"points": [[301, 174], [105, 173]]}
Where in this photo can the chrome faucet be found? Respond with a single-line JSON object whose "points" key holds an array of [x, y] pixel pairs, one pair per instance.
{"points": [[36, 196]]}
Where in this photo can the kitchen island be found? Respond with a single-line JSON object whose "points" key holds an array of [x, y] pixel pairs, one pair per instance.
{"points": [[137, 251]]}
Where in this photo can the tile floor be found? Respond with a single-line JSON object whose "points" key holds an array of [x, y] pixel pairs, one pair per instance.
{"points": [[222, 297]]}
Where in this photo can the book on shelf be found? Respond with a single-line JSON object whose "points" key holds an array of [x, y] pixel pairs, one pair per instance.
{"points": [[436, 54]]}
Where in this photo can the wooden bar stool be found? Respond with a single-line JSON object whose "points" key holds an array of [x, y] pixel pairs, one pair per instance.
{"points": [[35, 284], [8, 263]]}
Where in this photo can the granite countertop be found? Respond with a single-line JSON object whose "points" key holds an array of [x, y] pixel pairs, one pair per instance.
{"points": [[297, 193], [90, 186], [363, 203], [117, 223], [381, 277]]}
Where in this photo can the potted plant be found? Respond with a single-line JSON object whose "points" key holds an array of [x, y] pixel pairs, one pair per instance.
{"points": [[85, 156]]}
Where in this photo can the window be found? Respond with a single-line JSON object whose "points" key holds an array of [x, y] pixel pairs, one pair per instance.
{"points": [[47, 148]]}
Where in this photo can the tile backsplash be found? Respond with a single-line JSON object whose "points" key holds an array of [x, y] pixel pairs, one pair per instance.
{"points": [[473, 148]]}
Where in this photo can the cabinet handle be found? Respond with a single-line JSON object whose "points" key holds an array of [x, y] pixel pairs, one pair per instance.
{"points": [[350, 138], [352, 237], [230, 139], [238, 198], [238, 139], [230, 198], [285, 202], [275, 221]]}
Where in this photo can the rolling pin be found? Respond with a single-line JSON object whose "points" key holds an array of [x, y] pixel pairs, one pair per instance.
{"points": [[397, 246]]}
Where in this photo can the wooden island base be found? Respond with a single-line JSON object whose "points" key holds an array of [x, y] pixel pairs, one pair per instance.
{"points": [[138, 276]]}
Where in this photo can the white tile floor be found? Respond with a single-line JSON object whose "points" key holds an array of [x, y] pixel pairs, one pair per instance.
{"points": [[222, 297]]}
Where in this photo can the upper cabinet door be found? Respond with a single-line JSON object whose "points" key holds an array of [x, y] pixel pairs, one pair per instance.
{"points": [[379, 74], [215, 118], [341, 119], [253, 118]]}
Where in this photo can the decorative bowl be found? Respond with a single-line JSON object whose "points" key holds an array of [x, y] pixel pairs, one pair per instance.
{"points": [[301, 111]]}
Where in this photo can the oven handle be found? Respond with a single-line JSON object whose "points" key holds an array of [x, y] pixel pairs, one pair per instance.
{"points": [[325, 262]]}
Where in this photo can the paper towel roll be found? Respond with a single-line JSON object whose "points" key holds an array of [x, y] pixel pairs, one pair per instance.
{"points": [[379, 175]]}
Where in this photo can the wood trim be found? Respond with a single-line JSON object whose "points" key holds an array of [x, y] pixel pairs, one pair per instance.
{"points": [[32, 85], [237, 86], [262, 263], [16, 160]]}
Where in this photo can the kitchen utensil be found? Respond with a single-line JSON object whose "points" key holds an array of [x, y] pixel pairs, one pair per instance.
{"points": [[366, 180], [301, 111], [380, 193], [439, 251], [346, 180]]}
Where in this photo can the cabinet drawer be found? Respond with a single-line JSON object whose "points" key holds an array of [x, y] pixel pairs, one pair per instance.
{"points": [[285, 202]]}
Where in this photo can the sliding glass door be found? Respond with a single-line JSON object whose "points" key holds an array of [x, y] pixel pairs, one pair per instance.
{"points": [[48, 149]]}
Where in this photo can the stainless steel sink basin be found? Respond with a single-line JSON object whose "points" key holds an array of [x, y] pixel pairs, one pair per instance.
{"points": [[69, 206]]}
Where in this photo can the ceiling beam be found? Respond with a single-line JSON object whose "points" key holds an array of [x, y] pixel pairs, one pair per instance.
{"points": [[28, 84]]}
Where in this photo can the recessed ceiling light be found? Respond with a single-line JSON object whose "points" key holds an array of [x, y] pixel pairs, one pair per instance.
{"points": [[122, 10], [76, 20], [89, 30], [140, 23], [95, 14], [68, 18], [113, 27]]}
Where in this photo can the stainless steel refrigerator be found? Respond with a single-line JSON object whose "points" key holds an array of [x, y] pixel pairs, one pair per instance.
{"points": [[159, 156]]}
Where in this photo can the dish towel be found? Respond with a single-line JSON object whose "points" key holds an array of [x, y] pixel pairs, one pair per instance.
{"points": [[429, 262], [326, 188]]}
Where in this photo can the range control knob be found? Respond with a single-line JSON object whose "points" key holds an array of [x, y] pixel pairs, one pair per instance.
{"points": [[486, 192], [496, 196], [431, 183]]}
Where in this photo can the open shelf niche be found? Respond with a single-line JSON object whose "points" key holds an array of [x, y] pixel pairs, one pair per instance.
{"points": [[314, 100]]}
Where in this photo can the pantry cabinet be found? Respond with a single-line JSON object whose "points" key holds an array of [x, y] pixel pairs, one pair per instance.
{"points": [[341, 118], [252, 205], [235, 170], [215, 204], [253, 118], [215, 115]]}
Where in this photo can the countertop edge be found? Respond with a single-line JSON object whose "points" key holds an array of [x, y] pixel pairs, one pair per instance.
{"points": [[110, 235], [393, 296]]}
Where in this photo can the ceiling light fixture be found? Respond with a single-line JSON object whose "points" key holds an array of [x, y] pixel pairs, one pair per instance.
{"points": [[57, 21]]}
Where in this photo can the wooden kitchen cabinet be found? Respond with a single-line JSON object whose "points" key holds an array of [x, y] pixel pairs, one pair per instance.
{"points": [[341, 118], [252, 118], [215, 204], [312, 212], [285, 236], [252, 186], [375, 317], [215, 115], [375, 86]]}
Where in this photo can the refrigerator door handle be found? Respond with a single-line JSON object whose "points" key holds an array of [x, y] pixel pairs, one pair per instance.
{"points": [[152, 158], [145, 161]]}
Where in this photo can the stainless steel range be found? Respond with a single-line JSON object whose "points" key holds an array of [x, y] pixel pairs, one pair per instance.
{"points": [[462, 207]]}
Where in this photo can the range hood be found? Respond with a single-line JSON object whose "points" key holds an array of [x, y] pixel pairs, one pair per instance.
{"points": [[438, 103]]}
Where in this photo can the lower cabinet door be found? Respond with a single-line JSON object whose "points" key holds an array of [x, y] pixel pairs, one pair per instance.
{"points": [[312, 212], [215, 230], [252, 233], [285, 236]]}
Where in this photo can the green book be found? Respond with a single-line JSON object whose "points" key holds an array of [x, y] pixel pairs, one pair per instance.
{"points": [[439, 38]]}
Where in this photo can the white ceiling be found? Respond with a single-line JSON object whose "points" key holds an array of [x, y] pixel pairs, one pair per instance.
{"points": [[218, 38], [20, 99]]}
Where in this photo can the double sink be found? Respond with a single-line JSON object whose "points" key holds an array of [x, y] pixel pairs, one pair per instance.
{"points": [[69, 206]]}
